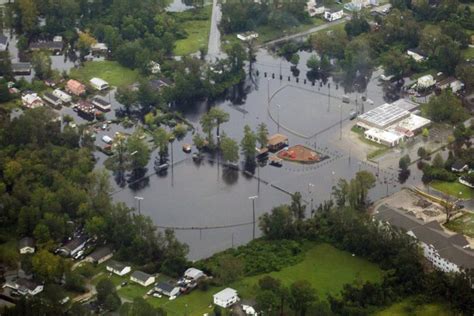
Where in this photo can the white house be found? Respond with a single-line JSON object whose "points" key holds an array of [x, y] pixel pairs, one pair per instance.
{"points": [[167, 289], [52, 99], [333, 15], [313, 9], [142, 278], [118, 268], [416, 55], [248, 36], [63, 96], [225, 298], [99, 84], [26, 245], [425, 82], [193, 274], [31, 100], [24, 286]]}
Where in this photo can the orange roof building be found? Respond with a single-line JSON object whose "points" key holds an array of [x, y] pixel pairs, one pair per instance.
{"points": [[75, 87]]}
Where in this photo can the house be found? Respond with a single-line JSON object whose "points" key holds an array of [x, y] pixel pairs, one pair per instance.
{"points": [[52, 46], [52, 99], [247, 36], [154, 67], [85, 108], [464, 180], [276, 142], [99, 48], [225, 298], [333, 15], [26, 245], [167, 289], [425, 82], [24, 286], [416, 54], [158, 84], [73, 246], [448, 253], [101, 104], [31, 100], [99, 84], [3, 42], [452, 83], [100, 255], [118, 268], [21, 68], [63, 96], [75, 87], [459, 166], [193, 274], [313, 8], [142, 278]]}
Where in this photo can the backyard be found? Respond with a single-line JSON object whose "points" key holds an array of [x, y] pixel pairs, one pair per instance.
{"points": [[463, 224], [110, 71], [455, 189], [324, 266], [196, 26], [409, 306]]}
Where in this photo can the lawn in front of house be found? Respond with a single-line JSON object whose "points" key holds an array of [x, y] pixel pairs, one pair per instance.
{"points": [[410, 307], [197, 30], [463, 224], [110, 71], [454, 189], [324, 266]]}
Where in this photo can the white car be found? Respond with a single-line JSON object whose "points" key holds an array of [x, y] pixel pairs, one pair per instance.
{"points": [[157, 295]]}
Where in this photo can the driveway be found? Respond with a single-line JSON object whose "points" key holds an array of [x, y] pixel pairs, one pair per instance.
{"points": [[214, 45]]}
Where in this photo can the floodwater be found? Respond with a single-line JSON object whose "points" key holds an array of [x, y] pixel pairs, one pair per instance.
{"points": [[196, 197]]}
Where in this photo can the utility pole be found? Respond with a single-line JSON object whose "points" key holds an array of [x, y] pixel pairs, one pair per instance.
{"points": [[310, 192], [253, 198], [139, 199]]}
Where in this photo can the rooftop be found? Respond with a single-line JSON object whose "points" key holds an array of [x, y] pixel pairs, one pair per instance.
{"points": [[277, 139], [141, 276], [101, 101], [100, 253], [115, 265], [226, 294], [388, 136], [384, 115], [165, 287], [26, 242]]}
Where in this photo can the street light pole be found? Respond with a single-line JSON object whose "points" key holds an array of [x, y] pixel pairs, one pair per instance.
{"points": [[310, 185], [253, 198]]}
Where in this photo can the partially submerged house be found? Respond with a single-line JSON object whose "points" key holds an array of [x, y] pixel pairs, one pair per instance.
{"points": [[52, 99], [101, 104], [21, 68], [85, 108], [277, 142]]}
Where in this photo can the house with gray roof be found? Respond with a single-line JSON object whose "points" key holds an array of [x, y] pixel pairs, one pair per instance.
{"points": [[142, 278], [100, 255], [118, 268], [448, 253]]}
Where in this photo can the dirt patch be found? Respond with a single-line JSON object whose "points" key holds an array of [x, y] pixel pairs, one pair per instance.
{"points": [[301, 154]]}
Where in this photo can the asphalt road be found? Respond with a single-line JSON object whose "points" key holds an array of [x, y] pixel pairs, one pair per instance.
{"points": [[214, 45]]}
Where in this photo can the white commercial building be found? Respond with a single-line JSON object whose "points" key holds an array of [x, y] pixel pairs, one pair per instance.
{"points": [[387, 138], [225, 298], [99, 84]]}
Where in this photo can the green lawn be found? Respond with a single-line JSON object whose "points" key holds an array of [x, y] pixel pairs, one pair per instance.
{"points": [[268, 33], [463, 224], [326, 267], [410, 308], [197, 30], [468, 53], [110, 71], [10, 105], [454, 188]]}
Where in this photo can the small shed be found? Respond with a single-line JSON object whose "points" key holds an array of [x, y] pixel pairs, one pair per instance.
{"points": [[277, 141]]}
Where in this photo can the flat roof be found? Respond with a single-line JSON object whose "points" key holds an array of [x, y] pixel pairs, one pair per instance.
{"points": [[388, 136], [413, 122], [277, 139], [383, 115], [406, 104], [226, 294]]}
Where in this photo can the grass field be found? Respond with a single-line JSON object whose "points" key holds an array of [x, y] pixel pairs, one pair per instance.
{"points": [[410, 308], [379, 149], [10, 105], [110, 71], [468, 53], [454, 188], [463, 224], [198, 33], [324, 266]]}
